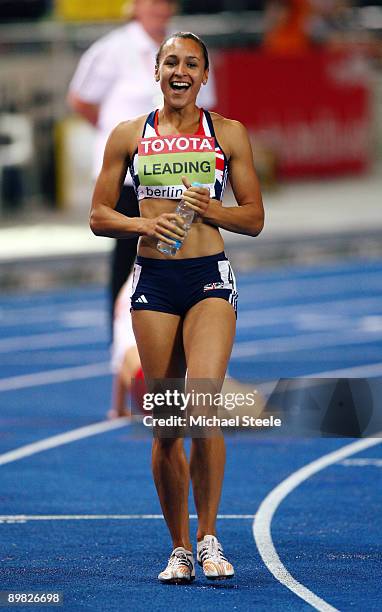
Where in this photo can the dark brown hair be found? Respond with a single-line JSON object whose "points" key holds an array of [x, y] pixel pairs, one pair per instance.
{"points": [[186, 35]]}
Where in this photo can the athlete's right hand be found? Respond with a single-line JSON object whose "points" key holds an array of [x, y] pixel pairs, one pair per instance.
{"points": [[167, 227]]}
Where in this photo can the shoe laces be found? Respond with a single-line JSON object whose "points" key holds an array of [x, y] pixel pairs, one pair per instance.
{"points": [[212, 551], [177, 558]]}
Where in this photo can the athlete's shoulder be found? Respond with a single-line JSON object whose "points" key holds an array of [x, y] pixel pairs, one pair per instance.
{"points": [[215, 117], [130, 127], [229, 133], [125, 135], [228, 125], [138, 121]]}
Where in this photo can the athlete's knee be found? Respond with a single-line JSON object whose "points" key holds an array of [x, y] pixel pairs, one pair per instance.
{"points": [[168, 446]]}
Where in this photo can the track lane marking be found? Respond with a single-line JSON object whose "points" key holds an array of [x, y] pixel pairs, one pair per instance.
{"points": [[262, 524], [362, 462], [257, 317], [363, 371], [312, 286], [316, 273], [52, 340], [241, 349], [309, 341], [23, 518], [60, 439], [50, 377], [15, 317]]}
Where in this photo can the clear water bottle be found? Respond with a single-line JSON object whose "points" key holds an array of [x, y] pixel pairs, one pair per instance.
{"points": [[187, 214]]}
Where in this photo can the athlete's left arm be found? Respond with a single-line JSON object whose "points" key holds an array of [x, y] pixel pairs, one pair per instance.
{"points": [[248, 216]]}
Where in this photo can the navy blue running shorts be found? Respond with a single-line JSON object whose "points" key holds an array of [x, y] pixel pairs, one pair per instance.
{"points": [[176, 285]]}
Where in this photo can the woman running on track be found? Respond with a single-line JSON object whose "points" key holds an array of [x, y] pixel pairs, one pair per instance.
{"points": [[183, 306]]}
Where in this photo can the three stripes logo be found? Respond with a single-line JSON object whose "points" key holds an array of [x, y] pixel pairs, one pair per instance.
{"points": [[142, 300]]}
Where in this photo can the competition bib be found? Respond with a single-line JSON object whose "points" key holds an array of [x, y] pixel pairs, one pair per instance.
{"points": [[163, 160]]}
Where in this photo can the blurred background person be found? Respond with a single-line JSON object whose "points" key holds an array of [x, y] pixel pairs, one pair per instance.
{"points": [[337, 25], [287, 24], [128, 380], [114, 82], [295, 26]]}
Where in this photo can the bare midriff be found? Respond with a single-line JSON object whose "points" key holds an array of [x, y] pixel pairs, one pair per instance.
{"points": [[202, 239]]}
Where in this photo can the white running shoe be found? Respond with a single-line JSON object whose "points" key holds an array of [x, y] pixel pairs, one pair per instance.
{"points": [[210, 556], [180, 568]]}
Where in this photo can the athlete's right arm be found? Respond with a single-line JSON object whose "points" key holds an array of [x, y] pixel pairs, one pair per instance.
{"points": [[104, 220]]}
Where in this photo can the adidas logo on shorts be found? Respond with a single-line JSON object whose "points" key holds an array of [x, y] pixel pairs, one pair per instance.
{"points": [[142, 300]]}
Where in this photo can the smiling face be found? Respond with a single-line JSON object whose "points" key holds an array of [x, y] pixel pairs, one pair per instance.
{"points": [[181, 71]]}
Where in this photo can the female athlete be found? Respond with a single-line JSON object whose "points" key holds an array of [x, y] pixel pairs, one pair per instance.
{"points": [[183, 306]]}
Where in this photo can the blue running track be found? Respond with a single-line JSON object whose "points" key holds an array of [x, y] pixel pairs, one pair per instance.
{"points": [[81, 516]]}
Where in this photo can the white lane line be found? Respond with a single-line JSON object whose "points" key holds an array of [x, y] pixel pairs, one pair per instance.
{"points": [[51, 377], [61, 358], [29, 343], [258, 316], [366, 371], [311, 275], [286, 344], [262, 523], [10, 317], [60, 439], [23, 518], [363, 371], [310, 287], [362, 462], [263, 315]]}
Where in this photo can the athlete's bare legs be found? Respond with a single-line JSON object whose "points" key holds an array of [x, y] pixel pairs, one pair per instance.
{"points": [[208, 334], [159, 339]]}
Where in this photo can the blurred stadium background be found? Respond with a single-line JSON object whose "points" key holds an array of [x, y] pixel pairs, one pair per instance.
{"points": [[305, 76]]}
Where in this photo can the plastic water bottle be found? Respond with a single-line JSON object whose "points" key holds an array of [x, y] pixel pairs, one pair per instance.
{"points": [[187, 214]]}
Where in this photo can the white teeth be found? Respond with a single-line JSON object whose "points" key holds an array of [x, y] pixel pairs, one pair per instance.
{"points": [[180, 84]]}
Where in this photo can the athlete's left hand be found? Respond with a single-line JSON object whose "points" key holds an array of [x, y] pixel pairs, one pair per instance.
{"points": [[197, 198]]}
